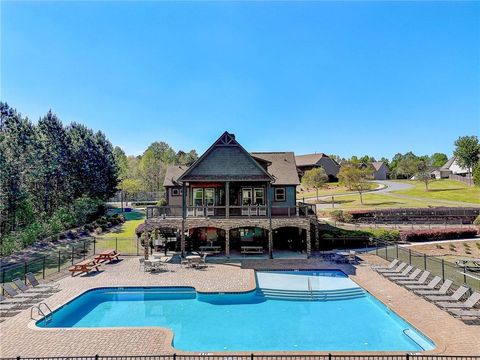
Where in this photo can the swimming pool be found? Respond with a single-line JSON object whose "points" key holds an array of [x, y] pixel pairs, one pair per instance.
{"points": [[252, 321]]}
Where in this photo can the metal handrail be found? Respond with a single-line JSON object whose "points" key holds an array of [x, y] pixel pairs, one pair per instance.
{"points": [[48, 317]]}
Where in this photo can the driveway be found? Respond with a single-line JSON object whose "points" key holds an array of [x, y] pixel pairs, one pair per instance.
{"points": [[392, 186]]}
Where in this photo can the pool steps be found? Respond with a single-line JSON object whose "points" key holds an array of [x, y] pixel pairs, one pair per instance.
{"points": [[318, 295]]}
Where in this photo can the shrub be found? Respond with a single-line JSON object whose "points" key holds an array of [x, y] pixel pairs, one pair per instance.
{"points": [[337, 215], [437, 234], [347, 217], [385, 234], [98, 230], [477, 221], [162, 202]]}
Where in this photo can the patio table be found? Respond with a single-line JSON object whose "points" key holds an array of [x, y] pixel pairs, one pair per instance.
{"points": [[107, 255], [85, 266]]}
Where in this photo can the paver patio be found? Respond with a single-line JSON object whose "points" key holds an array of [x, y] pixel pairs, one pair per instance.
{"points": [[20, 336]]}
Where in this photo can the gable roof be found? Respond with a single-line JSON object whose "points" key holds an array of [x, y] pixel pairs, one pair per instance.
{"points": [[281, 165], [449, 163], [309, 159], [225, 160], [172, 174], [377, 165]]}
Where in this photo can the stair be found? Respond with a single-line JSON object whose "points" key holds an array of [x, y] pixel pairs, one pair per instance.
{"points": [[314, 295]]}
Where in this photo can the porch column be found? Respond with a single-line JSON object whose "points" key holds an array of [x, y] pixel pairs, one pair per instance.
{"points": [[270, 242], [309, 244], [182, 239], [227, 199], [317, 238], [227, 243]]}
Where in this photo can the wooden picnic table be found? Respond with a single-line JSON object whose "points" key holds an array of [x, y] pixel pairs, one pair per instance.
{"points": [[252, 249], [212, 249], [107, 255], [85, 266]]}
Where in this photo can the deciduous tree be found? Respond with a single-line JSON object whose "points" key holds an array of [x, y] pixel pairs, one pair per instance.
{"points": [[316, 178], [355, 178]]}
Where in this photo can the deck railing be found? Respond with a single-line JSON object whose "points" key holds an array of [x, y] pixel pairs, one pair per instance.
{"points": [[383, 356], [245, 211]]}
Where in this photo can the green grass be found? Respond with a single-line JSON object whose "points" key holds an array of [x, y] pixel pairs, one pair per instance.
{"points": [[330, 189], [443, 190], [372, 200], [123, 238]]}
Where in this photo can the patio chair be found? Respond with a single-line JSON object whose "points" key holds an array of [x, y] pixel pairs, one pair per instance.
{"points": [[430, 286], [389, 267], [26, 290], [462, 290], [142, 263], [17, 303], [396, 271], [34, 282], [203, 262], [467, 304], [411, 277], [421, 280], [442, 291], [465, 313], [14, 294], [404, 273]]}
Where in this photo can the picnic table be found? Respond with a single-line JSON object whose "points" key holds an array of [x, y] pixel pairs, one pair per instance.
{"points": [[211, 249], [107, 255], [85, 266], [252, 250]]}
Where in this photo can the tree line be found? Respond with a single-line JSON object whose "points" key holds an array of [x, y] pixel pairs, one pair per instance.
{"points": [[53, 176], [146, 173]]}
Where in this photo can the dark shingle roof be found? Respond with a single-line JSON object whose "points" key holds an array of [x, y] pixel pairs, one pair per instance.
{"points": [[281, 165], [309, 159], [172, 174]]}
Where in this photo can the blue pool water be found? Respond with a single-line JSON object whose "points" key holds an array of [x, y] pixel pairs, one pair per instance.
{"points": [[246, 321]]}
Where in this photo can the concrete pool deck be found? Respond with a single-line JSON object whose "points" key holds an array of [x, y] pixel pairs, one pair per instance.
{"points": [[20, 336]]}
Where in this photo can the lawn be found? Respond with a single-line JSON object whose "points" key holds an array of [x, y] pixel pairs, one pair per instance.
{"points": [[123, 238], [328, 189], [443, 190], [373, 200]]}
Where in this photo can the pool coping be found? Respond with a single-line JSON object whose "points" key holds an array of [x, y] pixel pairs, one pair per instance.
{"points": [[32, 324]]}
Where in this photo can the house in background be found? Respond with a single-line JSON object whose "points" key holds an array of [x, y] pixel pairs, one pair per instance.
{"points": [[310, 161], [230, 200], [451, 167], [380, 170]]}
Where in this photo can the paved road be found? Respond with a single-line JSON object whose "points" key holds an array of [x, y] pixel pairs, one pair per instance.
{"points": [[392, 186]]}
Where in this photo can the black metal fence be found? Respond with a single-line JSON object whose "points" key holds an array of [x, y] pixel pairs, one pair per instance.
{"points": [[437, 266], [259, 357], [55, 261]]}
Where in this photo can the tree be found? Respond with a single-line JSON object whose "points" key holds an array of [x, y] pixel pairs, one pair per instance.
{"points": [[121, 161], [355, 178], [151, 170], [316, 178], [476, 174], [423, 171], [438, 159], [467, 151], [366, 159]]}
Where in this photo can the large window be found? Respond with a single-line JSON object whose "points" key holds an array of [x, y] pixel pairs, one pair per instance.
{"points": [[198, 197], [247, 196], [209, 197], [280, 194], [259, 197]]}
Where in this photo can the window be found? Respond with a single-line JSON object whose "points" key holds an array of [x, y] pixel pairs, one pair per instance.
{"points": [[259, 196], [177, 191], [198, 197], [279, 194], [247, 196], [209, 197]]}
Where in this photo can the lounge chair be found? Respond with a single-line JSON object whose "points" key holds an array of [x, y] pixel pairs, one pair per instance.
{"points": [[396, 270], [442, 291], [469, 303], [403, 273], [465, 313], [34, 282], [14, 294], [410, 277], [18, 303], [390, 266], [430, 286], [421, 280], [26, 290], [462, 290]]}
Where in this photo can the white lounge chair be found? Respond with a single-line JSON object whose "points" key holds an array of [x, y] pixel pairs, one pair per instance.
{"points": [[420, 281], [396, 270], [430, 286], [465, 313], [390, 266], [468, 304], [410, 277], [14, 294], [26, 290], [462, 290], [405, 272], [442, 291], [34, 282]]}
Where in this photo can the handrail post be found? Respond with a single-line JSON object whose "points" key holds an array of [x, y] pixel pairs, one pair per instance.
{"points": [[25, 270], [424, 261], [443, 270], [329, 356], [59, 260], [94, 245], [96, 356], [116, 243], [84, 250], [251, 356], [73, 252], [44, 261]]}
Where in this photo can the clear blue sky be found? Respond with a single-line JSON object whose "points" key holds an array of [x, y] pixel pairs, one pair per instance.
{"points": [[346, 78]]}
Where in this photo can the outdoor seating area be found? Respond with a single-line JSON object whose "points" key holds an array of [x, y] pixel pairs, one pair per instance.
{"points": [[21, 296], [461, 302]]}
